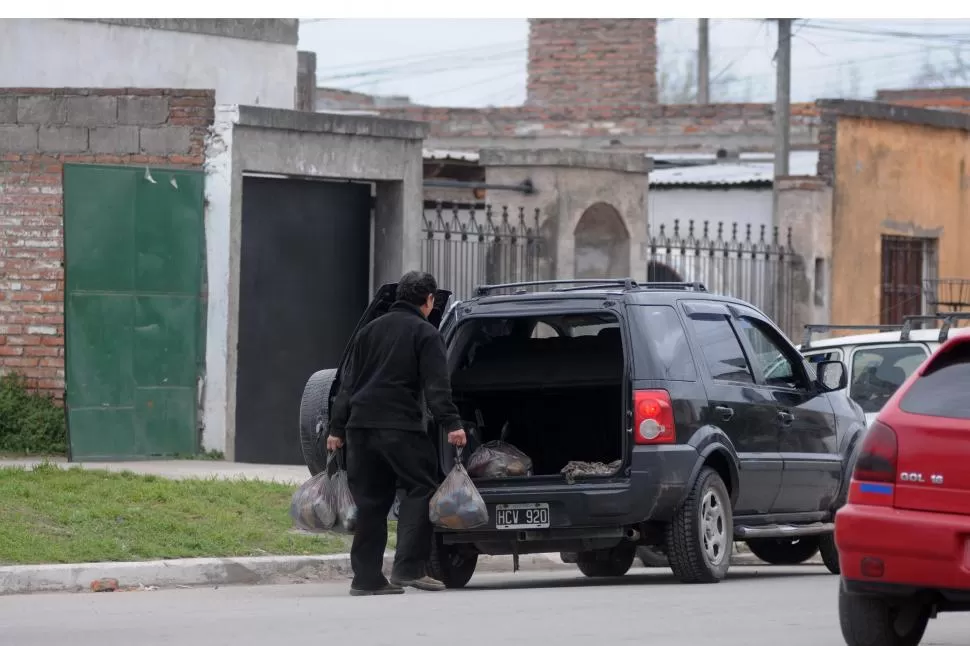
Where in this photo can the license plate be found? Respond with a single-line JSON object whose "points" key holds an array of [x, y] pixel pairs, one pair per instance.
{"points": [[528, 515]]}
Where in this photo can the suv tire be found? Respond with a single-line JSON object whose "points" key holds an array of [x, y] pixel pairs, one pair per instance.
{"points": [[871, 621], [613, 562], [451, 566], [314, 417], [700, 537], [830, 553], [784, 551]]}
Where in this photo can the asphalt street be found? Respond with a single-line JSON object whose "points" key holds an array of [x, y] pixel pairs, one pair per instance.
{"points": [[755, 606]]}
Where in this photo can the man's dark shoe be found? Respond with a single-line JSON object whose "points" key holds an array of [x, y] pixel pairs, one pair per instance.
{"points": [[389, 588], [425, 583]]}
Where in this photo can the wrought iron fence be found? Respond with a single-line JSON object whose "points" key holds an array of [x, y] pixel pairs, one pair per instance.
{"points": [[468, 247], [756, 268]]}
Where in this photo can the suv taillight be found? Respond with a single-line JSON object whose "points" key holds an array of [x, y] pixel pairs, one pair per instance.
{"points": [[653, 417], [877, 456]]}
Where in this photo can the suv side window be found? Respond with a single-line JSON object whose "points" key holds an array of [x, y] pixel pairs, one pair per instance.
{"points": [[878, 372], [776, 368], [662, 343], [721, 347]]}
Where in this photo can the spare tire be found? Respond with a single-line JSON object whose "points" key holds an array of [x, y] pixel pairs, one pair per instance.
{"points": [[314, 417]]}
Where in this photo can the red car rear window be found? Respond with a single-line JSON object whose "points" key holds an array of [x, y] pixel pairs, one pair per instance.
{"points": [[944, 391]]}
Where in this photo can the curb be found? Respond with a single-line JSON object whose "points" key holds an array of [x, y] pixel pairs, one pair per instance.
{"points": [[25, 579]]}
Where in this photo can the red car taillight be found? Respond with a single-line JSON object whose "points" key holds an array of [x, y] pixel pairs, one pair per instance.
{"points": [[653, 417], [877, 456]]}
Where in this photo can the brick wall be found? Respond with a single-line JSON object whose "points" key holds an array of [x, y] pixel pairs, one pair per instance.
{"points": [[585, 61], [598, 120], [40, 130]]}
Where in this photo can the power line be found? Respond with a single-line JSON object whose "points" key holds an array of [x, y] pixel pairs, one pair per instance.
{"points": [[416, 67], [366, 65]]}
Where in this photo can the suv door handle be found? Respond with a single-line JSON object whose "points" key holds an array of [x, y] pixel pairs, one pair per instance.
{"points": [[785, 417], [725, 412]]}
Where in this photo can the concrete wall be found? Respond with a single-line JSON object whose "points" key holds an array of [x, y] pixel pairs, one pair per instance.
{"points": [[730, 205], [805, 205], [40, 130], [226, 55], [895, 177], [248, 139], [568, 183]]}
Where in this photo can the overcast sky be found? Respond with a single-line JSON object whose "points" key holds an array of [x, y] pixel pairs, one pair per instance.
{"points": [[475, 63]]}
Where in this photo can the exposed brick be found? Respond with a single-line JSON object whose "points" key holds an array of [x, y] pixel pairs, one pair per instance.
{"points": [[165, 141], [114, 140], [64, 139], [41, 109], [21, 138], [91, 110], [143, 111]]}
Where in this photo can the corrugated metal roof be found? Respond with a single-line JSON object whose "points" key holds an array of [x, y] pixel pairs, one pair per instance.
{"points": [[756, 169], [445, 155]]}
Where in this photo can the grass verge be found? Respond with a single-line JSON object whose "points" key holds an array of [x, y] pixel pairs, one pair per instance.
{"points": [[54, 515]]}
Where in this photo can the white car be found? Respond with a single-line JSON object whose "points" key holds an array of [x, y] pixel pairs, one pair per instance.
{"points": [[878, 363]]}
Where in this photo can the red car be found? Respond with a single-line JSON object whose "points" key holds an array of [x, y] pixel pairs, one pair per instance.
{"points": [[904, 535]]}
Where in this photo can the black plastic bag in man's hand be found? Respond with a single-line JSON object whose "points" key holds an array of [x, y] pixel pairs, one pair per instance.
{"points": [[457, 503]]}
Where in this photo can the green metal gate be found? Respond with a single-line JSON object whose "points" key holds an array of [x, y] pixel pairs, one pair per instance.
{"points": [[134, 245]]}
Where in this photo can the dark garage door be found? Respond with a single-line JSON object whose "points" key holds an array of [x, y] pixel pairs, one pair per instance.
{"points": [[304, 281]]}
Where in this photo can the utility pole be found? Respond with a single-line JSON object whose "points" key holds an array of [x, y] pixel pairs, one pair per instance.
{"points": [[703, 63], [782, 107]]}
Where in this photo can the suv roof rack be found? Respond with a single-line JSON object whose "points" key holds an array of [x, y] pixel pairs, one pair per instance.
{"points": [[626, 283], [948, 319], [813, 327], [590, 283]]}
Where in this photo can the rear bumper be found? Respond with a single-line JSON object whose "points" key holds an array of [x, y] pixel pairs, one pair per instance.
{"points": [[921, 551], [596, 508]]}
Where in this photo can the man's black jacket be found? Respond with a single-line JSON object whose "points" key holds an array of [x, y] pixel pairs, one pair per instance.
{"points": [[392, 361]]}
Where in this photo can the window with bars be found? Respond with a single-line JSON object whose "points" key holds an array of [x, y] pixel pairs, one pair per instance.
{"points": [[906, 262]]}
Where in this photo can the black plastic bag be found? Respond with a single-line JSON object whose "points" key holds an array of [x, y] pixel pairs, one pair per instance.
{"points": [[457, 503], [499, 459]]}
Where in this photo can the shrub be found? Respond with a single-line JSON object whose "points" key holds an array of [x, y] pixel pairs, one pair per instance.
{"points": [[29, 422]]}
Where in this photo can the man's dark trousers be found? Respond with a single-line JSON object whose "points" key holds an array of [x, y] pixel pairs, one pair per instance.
{"points": [[377, 460]]}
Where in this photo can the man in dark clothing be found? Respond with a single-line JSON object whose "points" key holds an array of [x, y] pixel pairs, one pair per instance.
{"points": [[396, 362]]}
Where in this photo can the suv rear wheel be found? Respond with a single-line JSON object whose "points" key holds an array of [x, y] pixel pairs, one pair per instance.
{"points": [[700, 538], [872, 621], [784, 551], [616, 561]]}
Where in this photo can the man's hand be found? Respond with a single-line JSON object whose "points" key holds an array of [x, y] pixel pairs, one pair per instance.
{"points": [[334, 443], [457, 438]]}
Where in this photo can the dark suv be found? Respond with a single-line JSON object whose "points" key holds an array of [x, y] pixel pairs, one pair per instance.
{"points": [[655, 414]]}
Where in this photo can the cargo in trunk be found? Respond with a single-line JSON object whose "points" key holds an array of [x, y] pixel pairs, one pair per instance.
{"points": [[552, 387]]}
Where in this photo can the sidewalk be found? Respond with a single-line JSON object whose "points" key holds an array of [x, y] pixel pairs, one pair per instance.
{"points": [[182, 469]]}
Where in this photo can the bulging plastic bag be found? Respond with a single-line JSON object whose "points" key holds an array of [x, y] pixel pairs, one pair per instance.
{"points": [[457, 503], [324, 503], [344, 502], [499, 459], [313, 507]]}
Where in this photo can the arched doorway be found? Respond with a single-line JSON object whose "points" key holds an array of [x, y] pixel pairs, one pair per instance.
{"points": [[602, 244]]}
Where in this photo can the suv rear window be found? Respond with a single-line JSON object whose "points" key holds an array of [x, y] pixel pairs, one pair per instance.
{"points": [[943, 390], [722, 349], [877, 373]]}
